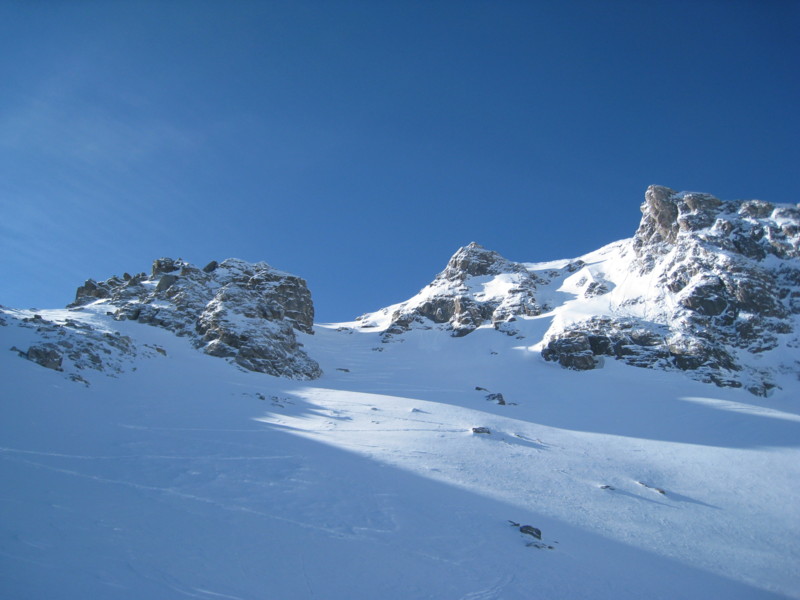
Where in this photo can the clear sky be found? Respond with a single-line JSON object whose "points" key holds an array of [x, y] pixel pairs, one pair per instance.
{"points": [[359, 144]]}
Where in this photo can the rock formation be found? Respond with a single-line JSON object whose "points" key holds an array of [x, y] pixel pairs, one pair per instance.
{"points": [[722, 289], [247, 312], [476, 286]]}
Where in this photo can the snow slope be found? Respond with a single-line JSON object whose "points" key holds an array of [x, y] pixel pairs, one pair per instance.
{"points": [[184, 476]]}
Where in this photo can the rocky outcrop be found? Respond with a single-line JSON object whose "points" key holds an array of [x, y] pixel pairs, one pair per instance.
{"points": [[478, 286], [246, 312], [722, 281], [46, 355], [73, 346]]}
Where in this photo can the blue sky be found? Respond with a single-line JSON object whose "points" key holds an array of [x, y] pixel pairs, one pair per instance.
{"points": [[359, 144]]}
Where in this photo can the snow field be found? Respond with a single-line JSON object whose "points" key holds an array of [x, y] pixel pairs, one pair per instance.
{"points": [[190, 478]]}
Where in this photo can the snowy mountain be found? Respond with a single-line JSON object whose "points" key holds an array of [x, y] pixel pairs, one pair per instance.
{"points": [[620, 425], [707, 287]]}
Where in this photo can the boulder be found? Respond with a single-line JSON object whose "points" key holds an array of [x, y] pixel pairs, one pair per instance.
{"points": [[46, 355]]}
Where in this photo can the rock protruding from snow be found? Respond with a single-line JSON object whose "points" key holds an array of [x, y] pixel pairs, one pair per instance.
{"points": [[707, 287], [73, 346], [247, 312], [477, 286]]}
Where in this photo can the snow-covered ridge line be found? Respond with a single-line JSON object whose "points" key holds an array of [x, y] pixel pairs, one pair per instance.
{"points": [[704, 286]]}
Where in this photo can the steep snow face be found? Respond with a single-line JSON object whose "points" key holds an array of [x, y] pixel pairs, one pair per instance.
{"points": [[708, 287], [245, 312]]}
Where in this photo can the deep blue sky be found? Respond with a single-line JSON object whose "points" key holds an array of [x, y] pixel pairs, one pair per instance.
{"points": [[359, 144]]}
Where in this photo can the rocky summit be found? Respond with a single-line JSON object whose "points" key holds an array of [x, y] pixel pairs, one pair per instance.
{"points": [[705, 286], [713, 288], [457, 300]]}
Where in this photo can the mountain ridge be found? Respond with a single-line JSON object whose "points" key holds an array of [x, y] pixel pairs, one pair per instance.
{"points": [[704, 286], [443, 458]]}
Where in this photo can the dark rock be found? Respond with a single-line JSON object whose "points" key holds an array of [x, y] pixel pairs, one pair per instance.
{"points": [[89, 292], [164, 265], [572, 350], [650, 487], [498, 398], [596, 288], [660, 216], [756, 209], [165, 282], [474, 260], [45, 355], [481, 430], [708, 297], [210, 267], [532, 531]]}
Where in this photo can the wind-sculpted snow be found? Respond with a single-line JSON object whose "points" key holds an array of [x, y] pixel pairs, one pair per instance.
{"points": [[705, 286], [244, 312]]}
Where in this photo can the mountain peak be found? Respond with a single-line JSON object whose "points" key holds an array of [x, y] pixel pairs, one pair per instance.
{"points": [[665, 213], [752, 228], [473, 260]]}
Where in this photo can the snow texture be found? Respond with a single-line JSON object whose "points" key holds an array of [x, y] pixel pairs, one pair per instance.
{"points": [[429, 459]]}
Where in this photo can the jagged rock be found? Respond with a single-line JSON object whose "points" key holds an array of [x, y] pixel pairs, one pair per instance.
{"points": [[713, 293], [245, 312], [596, 288], [45, 355], [497, 398], [90, 291], [165, 282], [572, 350], [660, 220], [164, 265], [458, 300]]}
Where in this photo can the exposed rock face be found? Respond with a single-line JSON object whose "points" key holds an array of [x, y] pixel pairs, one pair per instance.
{"points": [[477, 286], [246, 312], [46, 355], [73, 346], [722, 282]]}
